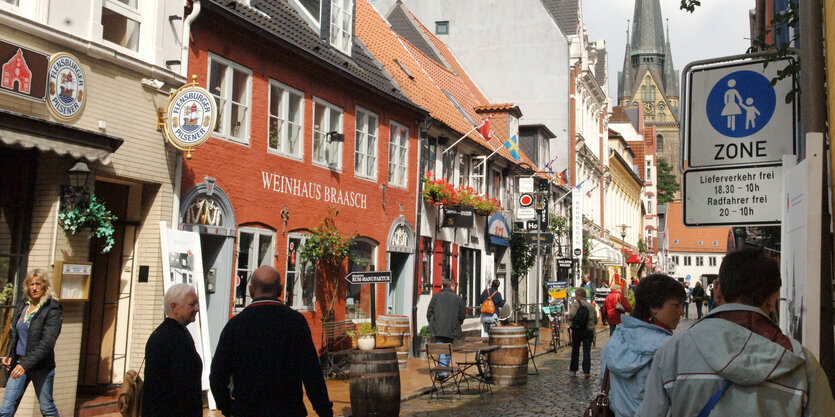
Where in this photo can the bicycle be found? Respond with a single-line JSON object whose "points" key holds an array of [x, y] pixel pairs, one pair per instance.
{"points": [[554, 312]]}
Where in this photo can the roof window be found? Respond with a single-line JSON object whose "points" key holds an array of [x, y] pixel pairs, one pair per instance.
{"points": [[442, 27]]}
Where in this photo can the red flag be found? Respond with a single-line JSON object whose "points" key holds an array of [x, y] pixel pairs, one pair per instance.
{"points": [[485, 129]]}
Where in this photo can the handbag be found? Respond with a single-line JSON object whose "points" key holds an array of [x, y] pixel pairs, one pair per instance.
{"points": [[619, 307], [599, 406]]}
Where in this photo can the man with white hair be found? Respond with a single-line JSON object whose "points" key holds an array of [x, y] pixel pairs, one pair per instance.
{"points": [[173, 367]]}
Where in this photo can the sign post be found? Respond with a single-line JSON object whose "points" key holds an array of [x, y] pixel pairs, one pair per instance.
{"points": [[373, 278]]}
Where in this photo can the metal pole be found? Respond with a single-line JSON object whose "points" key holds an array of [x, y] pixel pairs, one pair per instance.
{"points": [[538, 271]]}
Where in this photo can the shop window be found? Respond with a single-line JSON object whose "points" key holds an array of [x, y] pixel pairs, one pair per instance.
{"points": [[711, 261], [300, 280], [286, 116], [446, 261], [398, 155], [442, 27], [327, 120], [469, 278], [17, 179], [687, 261], [120, 23], [365, 148], [700, 261], [256, 247], [358, 296], [341, 24], [229, 83]]}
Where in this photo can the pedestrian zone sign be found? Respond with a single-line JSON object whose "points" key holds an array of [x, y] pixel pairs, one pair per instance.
{"points": [[733, 116]]}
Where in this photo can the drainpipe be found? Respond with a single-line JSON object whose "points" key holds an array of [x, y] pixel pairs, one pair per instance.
{"points": [[424, 133], [195, 11]]}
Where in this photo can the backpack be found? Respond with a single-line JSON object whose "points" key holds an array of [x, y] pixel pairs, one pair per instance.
{"points": [[487, 307], [581, 319]]}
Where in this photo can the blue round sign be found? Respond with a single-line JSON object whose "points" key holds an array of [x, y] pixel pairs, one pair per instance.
{"points": [[741, 104]]}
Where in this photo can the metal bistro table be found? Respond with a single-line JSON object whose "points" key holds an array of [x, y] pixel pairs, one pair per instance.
{"points": [[481, 364]]}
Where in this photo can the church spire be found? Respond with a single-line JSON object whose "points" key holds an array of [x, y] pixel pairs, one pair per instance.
{"points": [[625, 76], [647, 28], [670, 74]]}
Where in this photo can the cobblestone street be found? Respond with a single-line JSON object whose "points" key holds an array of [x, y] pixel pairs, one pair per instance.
{"points": [[554, 392]]}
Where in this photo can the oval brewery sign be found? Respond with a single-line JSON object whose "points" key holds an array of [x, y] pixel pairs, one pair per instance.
{"points": [[191, 117], [67, 85]]}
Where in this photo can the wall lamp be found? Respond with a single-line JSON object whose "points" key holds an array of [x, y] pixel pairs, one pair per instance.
{"points": [[76, 192], [334, 136]]}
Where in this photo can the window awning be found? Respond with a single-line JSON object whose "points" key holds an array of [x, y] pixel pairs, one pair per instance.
{"points": [[29, 132], [604, 253]]}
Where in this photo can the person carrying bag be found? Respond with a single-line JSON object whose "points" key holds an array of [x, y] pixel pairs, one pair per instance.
{"points": [[491, 302]]}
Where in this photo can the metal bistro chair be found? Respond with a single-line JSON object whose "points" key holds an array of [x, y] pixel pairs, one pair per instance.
{"points": [[440, 374]]}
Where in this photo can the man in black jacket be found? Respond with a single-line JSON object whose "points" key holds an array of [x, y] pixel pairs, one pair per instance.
{"points": [[173, 368], [267, 352], [446, 315]]}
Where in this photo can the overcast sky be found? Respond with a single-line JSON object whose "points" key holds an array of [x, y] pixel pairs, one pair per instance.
{"points": [[717, 28]]}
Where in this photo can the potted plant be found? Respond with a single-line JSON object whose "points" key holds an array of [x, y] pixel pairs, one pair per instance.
{"points": [[364, 336], [91, 215], [423, 337]]}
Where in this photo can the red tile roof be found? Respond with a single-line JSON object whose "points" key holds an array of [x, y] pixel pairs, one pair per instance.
{"points": [[688, 237], [639, 160], [428, 79]]}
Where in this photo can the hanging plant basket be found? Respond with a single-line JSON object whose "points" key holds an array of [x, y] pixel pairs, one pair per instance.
{"points": [[91, 215]]}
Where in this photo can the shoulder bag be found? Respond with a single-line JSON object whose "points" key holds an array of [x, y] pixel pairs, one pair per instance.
{"points": [[599, 406]]}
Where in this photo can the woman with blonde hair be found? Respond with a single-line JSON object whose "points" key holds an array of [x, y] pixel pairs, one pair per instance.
{"points": [[36, 324]]}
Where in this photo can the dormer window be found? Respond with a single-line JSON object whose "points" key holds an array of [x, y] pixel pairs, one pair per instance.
{"points": [[313, 9], [342, 18]]}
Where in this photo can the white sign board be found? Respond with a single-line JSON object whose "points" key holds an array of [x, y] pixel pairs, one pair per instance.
{"points": [[525, 210], [526, 185], [733, 116], [734, 196], [577, 225]]}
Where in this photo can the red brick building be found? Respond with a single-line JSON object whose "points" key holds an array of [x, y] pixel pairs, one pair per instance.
{"points": [[307, 121]]}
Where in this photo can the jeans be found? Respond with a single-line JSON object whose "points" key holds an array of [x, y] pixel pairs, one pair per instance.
{"points": [[686, 309], [443, 359], [488, 321], [585, 339], [699, 304], [15, 387]]}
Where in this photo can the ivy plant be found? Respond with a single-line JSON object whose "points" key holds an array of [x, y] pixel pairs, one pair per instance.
{"points": [[91, 215]]}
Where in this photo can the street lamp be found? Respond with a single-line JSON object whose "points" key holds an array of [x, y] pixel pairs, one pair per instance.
{"points": [[623, 228]]}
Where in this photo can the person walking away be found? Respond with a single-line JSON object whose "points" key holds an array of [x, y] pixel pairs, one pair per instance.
{"points": [[614, 306], [173, 371], [736, 360], [266, 353], [583, 317], [628, 354], [589, 287], [687, 295], [446, 314], [490, 310], [698, 298], [35, 325]]}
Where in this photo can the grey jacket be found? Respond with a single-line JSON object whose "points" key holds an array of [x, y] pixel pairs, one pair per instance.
{"points": [[446, 314], [768, 380], [574, 306]]}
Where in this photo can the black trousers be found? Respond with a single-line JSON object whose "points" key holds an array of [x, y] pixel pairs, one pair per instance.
{"points": [[581, 338]]}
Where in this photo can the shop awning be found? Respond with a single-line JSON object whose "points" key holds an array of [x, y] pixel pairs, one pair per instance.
{"points": [[29, 132], [632, 257], [498, 230], [604, 253]]}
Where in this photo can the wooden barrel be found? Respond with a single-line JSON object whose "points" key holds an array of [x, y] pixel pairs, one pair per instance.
{"points": [[509, 363], [393, 331], [375, 383]]}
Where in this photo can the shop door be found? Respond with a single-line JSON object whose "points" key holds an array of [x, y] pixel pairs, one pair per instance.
{"points": [[469, 278], [99, 348], [217, 267], [400, 267]]}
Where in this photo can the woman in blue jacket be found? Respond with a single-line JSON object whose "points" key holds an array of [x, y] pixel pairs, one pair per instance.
{"points": [[489, 320], [628, 353]]}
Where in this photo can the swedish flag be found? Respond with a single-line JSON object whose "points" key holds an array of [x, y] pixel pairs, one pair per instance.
{"points": [[512, 145]]}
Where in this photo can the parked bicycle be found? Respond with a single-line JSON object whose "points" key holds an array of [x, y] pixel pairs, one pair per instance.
{"points": [[554, 312]]}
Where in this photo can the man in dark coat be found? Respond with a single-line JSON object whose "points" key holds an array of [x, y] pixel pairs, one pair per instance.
{"points": [[173, 368], [446, 315], [268, 352]]}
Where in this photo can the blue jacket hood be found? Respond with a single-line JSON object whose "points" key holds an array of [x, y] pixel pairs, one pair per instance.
{"points": [[632, 346]]}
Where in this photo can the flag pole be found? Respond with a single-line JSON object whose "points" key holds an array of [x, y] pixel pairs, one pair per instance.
{"points": [[494, 151], [466, 134]]}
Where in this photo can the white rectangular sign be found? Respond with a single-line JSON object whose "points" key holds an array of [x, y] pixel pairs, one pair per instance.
{"points": [[525, 213], [577, 226], [526, 185], [734, 116], [738, 196]]}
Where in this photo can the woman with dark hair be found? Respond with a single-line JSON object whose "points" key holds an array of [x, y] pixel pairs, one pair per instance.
{"points": [[628, 354], [490, 318]]}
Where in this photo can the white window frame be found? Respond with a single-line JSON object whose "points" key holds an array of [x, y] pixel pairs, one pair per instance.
{"points": [[253, 262], [700, 261], [131, 13], [283, 117], [367, 153], [328, 148], [477, 180], [225, 110], [397, 149], [342, 25], [687, 261], [299, 296], [314, 21], [711, 261]]}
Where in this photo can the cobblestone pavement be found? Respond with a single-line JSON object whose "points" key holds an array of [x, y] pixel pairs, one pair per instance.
{"points": [[554, 392]]}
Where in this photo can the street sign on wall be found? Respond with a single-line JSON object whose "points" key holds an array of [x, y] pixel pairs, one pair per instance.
{"points": [[733, 196], [734, 116], [526, 185], [526, 210], [369, 277]]}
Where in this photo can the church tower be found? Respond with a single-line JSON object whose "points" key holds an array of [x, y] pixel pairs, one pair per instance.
{"points": [[649, 80]]}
